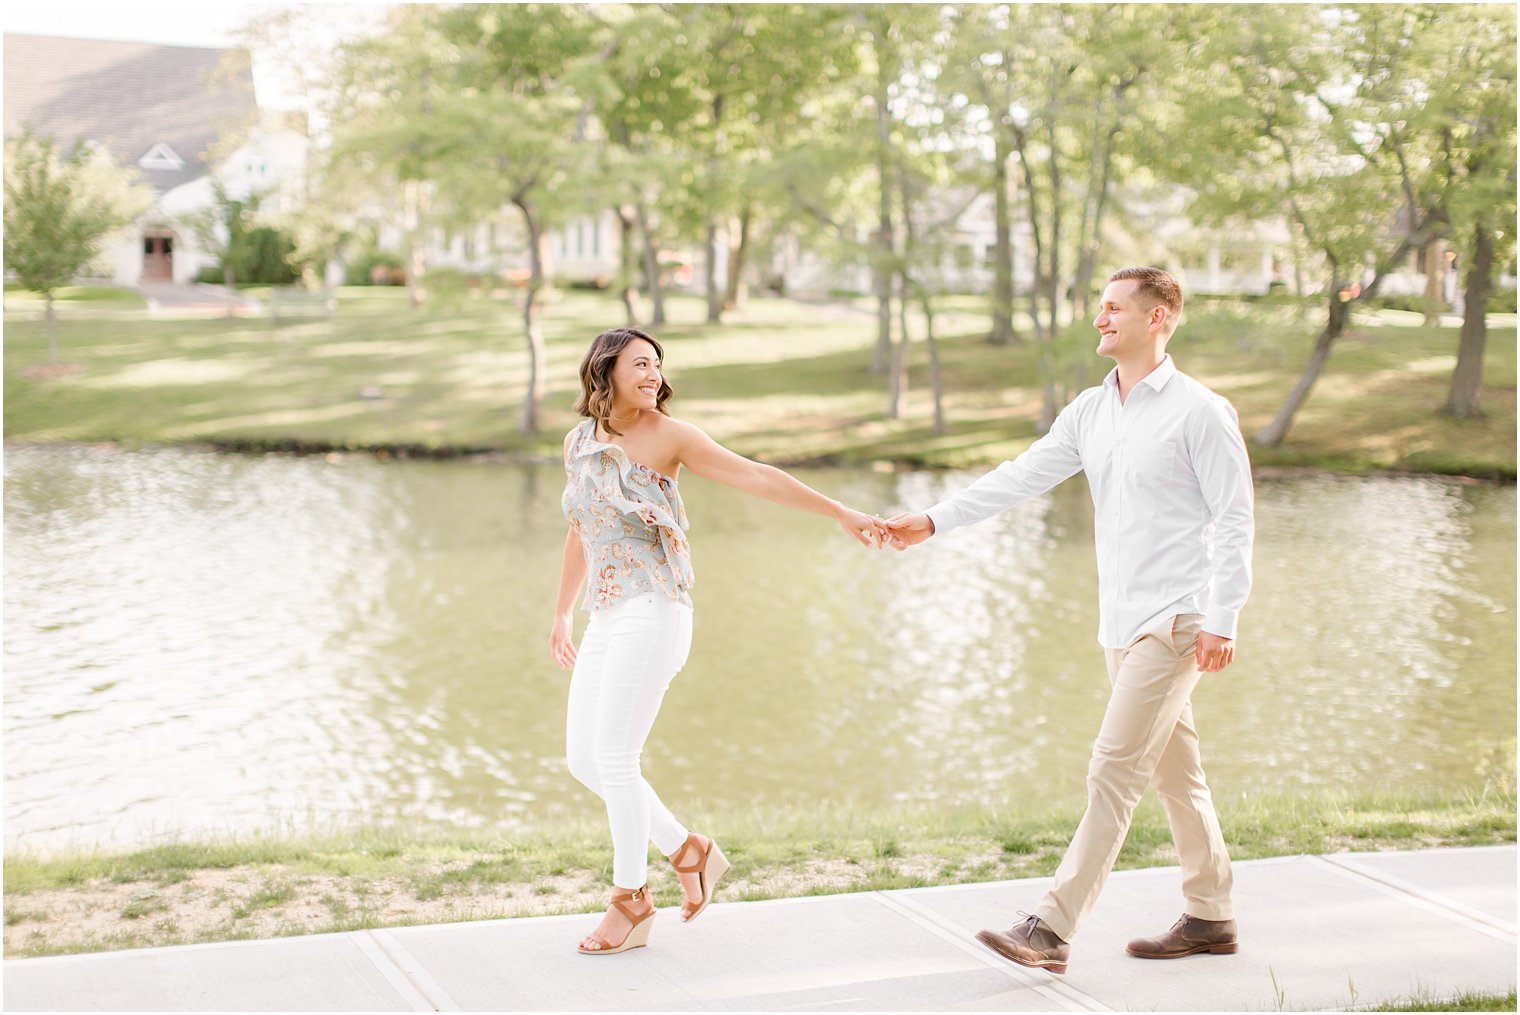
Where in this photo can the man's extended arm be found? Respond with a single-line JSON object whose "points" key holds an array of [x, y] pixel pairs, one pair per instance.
{"points": [[1048, 461]]}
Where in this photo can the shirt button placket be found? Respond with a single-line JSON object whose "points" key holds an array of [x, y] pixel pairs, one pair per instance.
{"points": [[1121, 466]]}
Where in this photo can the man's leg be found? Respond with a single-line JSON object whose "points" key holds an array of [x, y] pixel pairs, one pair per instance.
{"points": [[1153, 680], [1179, 782]]}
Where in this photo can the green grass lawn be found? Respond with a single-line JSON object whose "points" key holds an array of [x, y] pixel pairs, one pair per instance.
{"points": [[785, 381], [19, 298], [230, 889]]}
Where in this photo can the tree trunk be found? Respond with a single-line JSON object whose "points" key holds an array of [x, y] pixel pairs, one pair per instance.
{"points": [[886, 240], [1435, 277], [651, 267], [627, 289], [1468, 376], [710, 274], [738, 289], [1088, 260], [936, 385], [1340, 312], [531, 329], [897, 378], [412, 228], [1002, 247], [1056, 398], [1044, 328], [52, 320], [1089, 212]]}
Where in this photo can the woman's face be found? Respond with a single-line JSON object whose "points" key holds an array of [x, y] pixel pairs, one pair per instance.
{"points": [[636, 377]]}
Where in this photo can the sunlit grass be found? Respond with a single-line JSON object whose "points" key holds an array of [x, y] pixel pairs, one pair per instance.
{"points": [[341, 880], [1462, 1002], [785, 381], [19, 298]]}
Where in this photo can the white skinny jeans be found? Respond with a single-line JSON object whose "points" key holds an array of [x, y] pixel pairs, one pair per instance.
{"points": [[630, 653]]}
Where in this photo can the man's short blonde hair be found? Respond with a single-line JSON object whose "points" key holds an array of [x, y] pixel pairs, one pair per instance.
{"points": [[1157, 286]]}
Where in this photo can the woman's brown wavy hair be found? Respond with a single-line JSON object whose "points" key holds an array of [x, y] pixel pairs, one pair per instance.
{"points": [[595, 401]]}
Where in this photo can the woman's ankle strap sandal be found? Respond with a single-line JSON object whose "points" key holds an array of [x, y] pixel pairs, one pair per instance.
{"points": [[638, 933], [709, 866]]}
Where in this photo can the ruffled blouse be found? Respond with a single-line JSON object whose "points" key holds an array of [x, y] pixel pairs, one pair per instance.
{"points": [[630, 521]]}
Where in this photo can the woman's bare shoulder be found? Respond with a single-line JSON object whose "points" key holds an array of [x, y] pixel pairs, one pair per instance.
{"points": [[670, 427]]}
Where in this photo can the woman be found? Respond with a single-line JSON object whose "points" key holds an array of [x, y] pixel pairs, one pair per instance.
{"points": [[626, 544]]}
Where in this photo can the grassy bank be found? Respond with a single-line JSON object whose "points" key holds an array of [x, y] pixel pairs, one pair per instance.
{"points": [[786, 382], [266, 887]]}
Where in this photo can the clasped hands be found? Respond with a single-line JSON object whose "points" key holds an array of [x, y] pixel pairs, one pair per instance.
{"points": [[899, 532]]}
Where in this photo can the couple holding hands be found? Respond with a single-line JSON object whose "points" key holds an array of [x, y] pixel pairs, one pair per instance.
{"points": [[1171, 489]]}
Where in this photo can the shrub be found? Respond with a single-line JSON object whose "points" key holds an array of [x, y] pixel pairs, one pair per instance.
{"points": [[1500, 301], [1411, 302], [262, 256], [596, 282], [376, 267]]}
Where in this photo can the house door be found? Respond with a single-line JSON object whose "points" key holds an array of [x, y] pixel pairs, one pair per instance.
{"points": [[158, 257]]}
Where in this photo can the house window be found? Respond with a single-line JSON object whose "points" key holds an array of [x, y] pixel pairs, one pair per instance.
{"points": [[161, 156], [596, 239]]}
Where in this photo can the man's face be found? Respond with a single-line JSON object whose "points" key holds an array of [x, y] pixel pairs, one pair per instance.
{"points": [[1123, 323]]}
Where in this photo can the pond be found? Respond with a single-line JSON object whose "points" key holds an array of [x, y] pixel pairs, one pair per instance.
{"points": [[206, 644]]}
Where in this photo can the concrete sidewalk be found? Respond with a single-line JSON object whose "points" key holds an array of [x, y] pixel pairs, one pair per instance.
{"points": [[1314, 929]]}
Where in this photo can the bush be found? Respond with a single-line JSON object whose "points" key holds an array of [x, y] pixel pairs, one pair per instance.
{"points": [[376, 267], [211, 274], [596, 282], [262, 256], [1404, 301], [1500, 301]]}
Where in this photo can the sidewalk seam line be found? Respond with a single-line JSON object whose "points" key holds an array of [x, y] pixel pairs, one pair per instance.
{"points": [[1433, 901], [1069, 996], [416, 979]]}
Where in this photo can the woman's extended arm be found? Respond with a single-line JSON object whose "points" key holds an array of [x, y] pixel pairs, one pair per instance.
{"points": [[572, 576], [711, 460]]}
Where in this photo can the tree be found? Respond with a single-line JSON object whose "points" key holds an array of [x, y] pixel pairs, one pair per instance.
{"points": [[395, 128], [58, 212], [642, 105], [1318, 112], [522, 79], [981, 72], [219, 229], [1475, 104], [1060, 89]]}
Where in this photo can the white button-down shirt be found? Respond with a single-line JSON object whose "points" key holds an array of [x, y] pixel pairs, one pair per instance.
{"points": [[1171, 488]]}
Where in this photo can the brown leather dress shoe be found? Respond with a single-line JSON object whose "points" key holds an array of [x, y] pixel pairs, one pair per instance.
{"points": [[1030, 943], [1188, 936]]}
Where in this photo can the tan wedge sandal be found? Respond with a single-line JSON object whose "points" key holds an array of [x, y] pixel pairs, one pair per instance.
{"points": [[638, 934], [709, 867]]}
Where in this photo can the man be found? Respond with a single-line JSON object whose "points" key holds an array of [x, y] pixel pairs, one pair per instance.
{"points": [[1171, 489]]}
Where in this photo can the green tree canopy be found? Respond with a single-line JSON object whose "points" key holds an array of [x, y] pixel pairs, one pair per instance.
{"points": [[59, 209]]}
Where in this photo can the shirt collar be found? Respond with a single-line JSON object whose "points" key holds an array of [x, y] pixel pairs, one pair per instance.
{"points": [[1156, 379]]}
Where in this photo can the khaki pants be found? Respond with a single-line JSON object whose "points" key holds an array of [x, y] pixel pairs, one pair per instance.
{"points": [[1147, 738]]}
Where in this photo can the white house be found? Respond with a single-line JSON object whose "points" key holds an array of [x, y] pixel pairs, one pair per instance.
{"points": [[173, 112]]}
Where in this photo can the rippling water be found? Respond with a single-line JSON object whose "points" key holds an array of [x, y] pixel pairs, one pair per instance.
{"points": [[199, 643]]}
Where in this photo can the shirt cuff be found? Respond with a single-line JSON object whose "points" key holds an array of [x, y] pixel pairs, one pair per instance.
{"points": [[1221, 623], [942, 518]]}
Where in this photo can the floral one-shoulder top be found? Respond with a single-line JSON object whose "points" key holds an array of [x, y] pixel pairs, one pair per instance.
{"points": [[630, 521]]}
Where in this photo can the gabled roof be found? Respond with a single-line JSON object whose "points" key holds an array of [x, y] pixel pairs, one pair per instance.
{"points": [[130, 97]]}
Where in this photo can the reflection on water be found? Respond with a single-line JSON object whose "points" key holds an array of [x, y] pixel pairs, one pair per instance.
{"points": [[205, 643]]}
